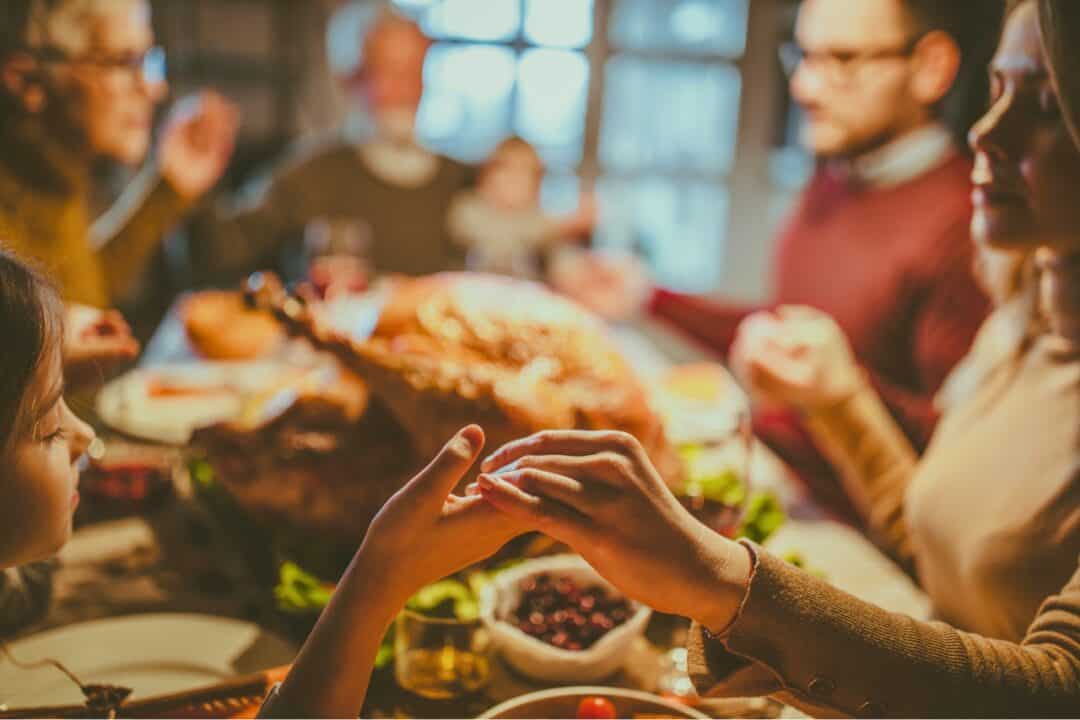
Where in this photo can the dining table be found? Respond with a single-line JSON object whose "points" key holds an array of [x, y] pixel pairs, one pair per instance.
{"points": [[173, 558]]}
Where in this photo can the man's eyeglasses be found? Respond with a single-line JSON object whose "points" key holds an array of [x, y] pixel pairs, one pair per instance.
{"points": [[838, 67], [149, 65]]}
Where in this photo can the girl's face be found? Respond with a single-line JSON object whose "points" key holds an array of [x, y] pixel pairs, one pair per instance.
{"points": [[40, 481], [512, 179], [1027, 169]]}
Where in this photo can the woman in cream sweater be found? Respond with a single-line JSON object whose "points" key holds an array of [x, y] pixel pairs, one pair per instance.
{"points": [[989, 519]]}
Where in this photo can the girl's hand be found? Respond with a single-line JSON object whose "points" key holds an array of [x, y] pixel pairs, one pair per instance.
{"points": [[197, 142], [798, 356], [421, 535], [599, 493], [424, 532]]}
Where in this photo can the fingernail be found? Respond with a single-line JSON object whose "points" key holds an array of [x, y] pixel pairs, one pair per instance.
{"points": [[464, 443], [466, 437], [486, 482]]}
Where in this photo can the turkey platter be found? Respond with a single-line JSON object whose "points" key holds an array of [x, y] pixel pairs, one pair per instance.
{"points": [[448, 350]]}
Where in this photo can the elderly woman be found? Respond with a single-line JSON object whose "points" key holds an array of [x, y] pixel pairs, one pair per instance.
{"points": [[79, 80], [990, 519]]}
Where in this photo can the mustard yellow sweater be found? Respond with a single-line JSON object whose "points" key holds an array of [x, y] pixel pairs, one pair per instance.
{"points": [[45, 217]]}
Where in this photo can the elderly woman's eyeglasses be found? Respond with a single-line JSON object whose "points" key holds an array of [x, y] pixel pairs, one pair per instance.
{"points": [[149, 65], [838, 67]]}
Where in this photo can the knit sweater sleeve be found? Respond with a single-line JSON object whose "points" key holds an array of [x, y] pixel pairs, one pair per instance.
{"points": [[828, 652], [710, 322], [876, 463], [238, 234], [134, 227]]}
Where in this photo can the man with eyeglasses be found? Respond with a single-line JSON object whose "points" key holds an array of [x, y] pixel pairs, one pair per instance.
{"points": [[879, 237]]}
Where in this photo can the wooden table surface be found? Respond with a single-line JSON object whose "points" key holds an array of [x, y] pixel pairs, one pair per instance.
{"points": [[169, 560]]}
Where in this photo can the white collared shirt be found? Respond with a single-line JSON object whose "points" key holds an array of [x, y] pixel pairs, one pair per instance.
{"points": [[906, 157]]}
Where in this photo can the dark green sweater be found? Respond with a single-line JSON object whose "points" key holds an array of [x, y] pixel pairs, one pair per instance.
{"points": [[407, 226]]}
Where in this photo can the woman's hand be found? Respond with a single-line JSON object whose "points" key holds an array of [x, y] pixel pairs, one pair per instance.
{"points": [[599, 493], [425, 533], [798, 356], [197, 143], [95, 341]]}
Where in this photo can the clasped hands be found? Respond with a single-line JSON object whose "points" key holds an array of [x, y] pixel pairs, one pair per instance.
{"points": [[596, 491]]}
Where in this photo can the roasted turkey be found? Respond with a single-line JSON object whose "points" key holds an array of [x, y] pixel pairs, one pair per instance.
{"points": [[448, 350]]}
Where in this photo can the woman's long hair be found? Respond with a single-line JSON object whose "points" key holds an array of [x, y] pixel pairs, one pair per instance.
{"points": [[1059, 23], [31, 325]]}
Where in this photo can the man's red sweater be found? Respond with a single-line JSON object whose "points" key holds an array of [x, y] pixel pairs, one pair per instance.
{"points": [[893, 266]]}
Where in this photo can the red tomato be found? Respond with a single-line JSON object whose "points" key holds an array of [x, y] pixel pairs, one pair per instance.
{"points": [[596, 708]]}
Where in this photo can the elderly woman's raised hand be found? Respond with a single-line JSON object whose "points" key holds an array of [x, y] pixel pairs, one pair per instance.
{"points": [[197, 142], [797, 356]]}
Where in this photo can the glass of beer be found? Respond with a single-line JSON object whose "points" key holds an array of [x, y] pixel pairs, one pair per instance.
{"points": [[440, 658]]}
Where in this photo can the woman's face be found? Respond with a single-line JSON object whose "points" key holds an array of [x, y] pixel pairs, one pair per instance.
{"points": [[1027, 169], [112, 98], [41, 476]]}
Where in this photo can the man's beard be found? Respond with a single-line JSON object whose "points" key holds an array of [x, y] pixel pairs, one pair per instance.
{"points": [[394, 154]]}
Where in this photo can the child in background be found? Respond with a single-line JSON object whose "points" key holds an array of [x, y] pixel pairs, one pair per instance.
{"points": [[501, 223]]}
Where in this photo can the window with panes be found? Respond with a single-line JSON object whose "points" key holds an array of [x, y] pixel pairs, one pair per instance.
{"points": [[636, 99]]}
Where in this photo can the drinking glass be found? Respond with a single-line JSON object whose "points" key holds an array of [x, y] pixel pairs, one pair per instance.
{"points": [[440, 658], [336, 249]]}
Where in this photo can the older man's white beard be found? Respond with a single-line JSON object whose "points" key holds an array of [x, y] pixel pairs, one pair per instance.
{"points": [[393, 153]]}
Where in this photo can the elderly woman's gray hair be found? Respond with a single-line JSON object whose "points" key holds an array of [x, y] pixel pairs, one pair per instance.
{"points": [[66, 25]]}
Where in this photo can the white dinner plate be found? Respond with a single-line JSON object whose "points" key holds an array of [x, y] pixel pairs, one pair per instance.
{"points": [[154, 654], [219, 390]]}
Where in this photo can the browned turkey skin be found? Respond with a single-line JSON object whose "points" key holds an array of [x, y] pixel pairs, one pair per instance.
{"points": [[449, 350]]}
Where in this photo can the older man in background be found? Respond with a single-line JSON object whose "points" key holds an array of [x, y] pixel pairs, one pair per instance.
{"points": [[879, 238], [380, 195]]}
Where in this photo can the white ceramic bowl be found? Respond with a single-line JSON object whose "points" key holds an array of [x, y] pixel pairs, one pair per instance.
{"points": [[537, 659]]}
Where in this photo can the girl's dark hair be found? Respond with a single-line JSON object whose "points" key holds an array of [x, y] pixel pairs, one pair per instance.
{"points": [[31, 325], [1059, 23]]}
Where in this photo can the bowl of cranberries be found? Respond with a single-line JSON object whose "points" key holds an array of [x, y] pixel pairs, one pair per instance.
{"points": [[555, 619]]}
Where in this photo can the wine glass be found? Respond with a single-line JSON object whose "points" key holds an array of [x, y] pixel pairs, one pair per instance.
{"points": [[336, 249]]}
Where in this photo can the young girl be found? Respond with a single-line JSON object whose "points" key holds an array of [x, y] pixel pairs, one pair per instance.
{"points": [[501, 224], [42, 441]]}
